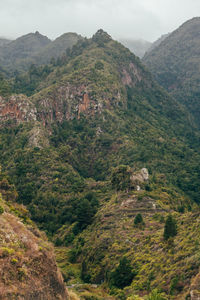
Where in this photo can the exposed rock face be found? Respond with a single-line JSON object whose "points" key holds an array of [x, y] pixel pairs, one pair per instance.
{"points": [[28, 269], [68, 101], [83, 107], [65, 103], [88, 91], [131, 75], [38, 137], [140, 177], [17, 108]]}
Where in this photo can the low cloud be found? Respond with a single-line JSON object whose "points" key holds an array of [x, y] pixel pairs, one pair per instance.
{"points": [[146, 19]]}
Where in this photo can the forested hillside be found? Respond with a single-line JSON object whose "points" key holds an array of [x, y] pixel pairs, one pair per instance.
{"points": [[18, 55], [175, 64], [107, 163]]}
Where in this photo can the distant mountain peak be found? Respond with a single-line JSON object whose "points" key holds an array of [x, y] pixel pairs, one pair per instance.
{"points": [[138, 47], [175, 64], [101, 35]]}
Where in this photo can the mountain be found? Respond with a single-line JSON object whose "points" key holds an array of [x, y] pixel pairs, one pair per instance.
{"points": [[97, 143], [57, 47], [175, 64], [4, 41], [28, 268], [20, 49], [33, 48], [138, 47], [157, 42]]}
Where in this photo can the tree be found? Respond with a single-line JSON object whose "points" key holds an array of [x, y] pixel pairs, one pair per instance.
{"points": [[123, 274], [85, 213], [170, 229], [5, 87], [120, 178], [138, 219]]}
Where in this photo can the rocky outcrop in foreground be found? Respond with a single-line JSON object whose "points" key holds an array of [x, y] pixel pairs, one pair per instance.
{"points": [[28, 268]]}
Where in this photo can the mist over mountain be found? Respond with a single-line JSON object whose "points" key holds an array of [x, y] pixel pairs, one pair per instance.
{"points": [[157, 42], [138, 47], [33, 48], [4, 41]]}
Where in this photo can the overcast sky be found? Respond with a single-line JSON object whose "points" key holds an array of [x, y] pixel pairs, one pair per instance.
{"points": [[146, 19]]}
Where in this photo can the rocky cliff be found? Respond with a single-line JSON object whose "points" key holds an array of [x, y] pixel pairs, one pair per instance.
{"points": [[28, 268]]}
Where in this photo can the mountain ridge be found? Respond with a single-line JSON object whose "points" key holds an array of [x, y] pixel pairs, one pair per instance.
{"points": [[175, 64], [33, 48]]}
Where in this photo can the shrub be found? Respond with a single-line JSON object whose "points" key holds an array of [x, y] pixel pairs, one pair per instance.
{"points": [[138, 219], [120, 178], [99, 65], [123, 274], [5, 252], [1, 210], [72, 255], [58, 242], [155, 295], [14, 261]]}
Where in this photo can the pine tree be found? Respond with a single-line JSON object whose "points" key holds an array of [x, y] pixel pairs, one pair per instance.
{"points": [[138, 219], [85, 212], [170, 229]]}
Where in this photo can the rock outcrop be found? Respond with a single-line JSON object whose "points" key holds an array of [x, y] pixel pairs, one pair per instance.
{"points": [[28, 268], [140, 176], [17, 108]]}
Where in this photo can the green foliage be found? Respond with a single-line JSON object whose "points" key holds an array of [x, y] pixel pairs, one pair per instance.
{"points": [[6, 251], [170, 229], [138, 219], [123, 274], [85, 276], [5, 86], [120, 177], [175, 65], [65, 183], [99, 65], [156, 295], [101, 38], [173, 284], [34, 48], [1, 210], [85, 212], [28, 83], [72, 255]]}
